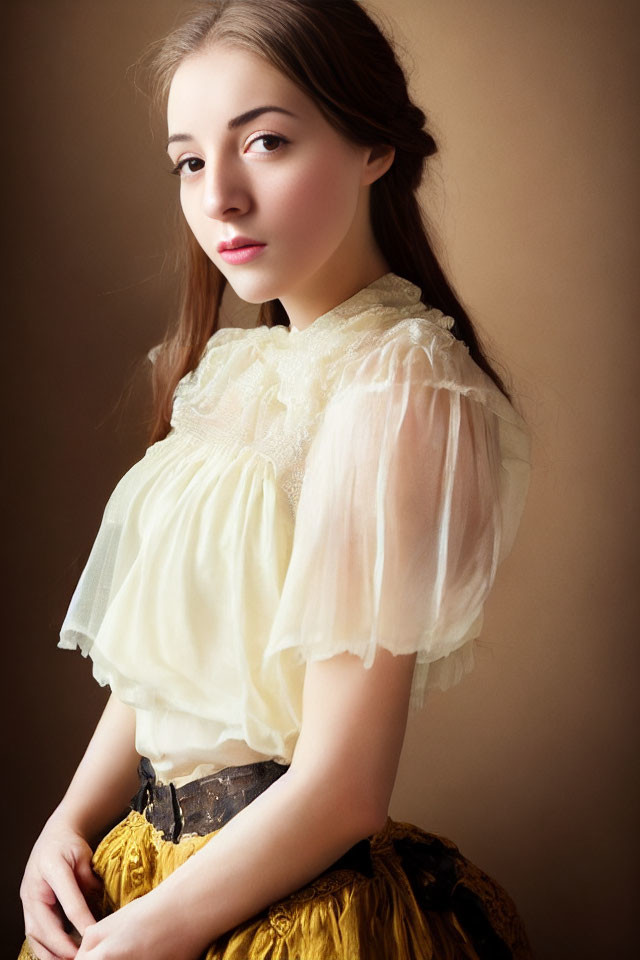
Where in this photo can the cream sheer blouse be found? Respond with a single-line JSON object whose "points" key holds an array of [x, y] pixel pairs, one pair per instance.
{"points": [[350, 485]]}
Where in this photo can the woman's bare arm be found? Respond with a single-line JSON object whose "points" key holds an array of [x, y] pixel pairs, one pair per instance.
{"points": [[58, 875], [336, 792], [106, 777]]}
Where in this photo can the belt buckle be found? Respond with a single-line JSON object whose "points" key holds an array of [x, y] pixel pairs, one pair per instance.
{"points": [[164, 812]]}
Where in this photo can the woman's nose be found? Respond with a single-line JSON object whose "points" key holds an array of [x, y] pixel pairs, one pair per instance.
{"points": [[225, 190]]}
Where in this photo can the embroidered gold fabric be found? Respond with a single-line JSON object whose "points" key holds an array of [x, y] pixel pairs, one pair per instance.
{"points": [[423, 901]]}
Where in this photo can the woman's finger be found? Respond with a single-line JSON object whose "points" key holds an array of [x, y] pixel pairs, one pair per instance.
{"points": [[71, 899], [89, 881], [43, 926], [40, 951], [93, 889]]}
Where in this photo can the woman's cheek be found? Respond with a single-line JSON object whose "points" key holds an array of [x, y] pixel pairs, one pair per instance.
{"points": [[319, 204], [188, 211], [201, 226]]}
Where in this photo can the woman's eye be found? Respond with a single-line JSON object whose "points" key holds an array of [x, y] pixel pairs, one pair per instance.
{"points": [[179, 167], [268, 139]]}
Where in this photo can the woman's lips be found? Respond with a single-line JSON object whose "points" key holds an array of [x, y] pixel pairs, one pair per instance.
{"points": [[242, 254]]}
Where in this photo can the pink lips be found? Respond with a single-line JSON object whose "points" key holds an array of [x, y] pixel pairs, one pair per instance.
{"points": [[242, 254], [240, 249]]}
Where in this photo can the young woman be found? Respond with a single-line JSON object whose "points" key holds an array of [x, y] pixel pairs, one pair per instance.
{"points": [[305, 547]]}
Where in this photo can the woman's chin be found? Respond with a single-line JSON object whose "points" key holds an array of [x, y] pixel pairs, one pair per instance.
{"points": [[253, 289]]}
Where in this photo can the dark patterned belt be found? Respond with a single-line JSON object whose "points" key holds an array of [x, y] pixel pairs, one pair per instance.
{"points": [[206, 804]]}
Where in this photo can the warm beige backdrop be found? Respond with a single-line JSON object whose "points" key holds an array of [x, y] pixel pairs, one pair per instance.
{"points": [[529, 764]]}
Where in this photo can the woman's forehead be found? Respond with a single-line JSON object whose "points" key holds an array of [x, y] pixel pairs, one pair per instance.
{"points": [[228, 81]]}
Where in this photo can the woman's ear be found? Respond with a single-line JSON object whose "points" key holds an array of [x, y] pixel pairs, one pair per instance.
{"points": [[378, 162]]}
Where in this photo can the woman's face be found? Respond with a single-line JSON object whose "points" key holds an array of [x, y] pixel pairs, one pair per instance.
{"points": [[284, 178]]}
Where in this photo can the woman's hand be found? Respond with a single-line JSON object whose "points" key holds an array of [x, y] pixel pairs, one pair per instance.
{"points": [[58, 881], [149, 928]]}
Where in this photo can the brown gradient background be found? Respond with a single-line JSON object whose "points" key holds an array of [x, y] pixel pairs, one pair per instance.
{"points": [[529, 765]]}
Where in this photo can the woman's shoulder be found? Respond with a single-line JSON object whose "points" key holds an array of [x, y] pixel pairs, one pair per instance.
{"points": [[419, 349], [228, 352]]}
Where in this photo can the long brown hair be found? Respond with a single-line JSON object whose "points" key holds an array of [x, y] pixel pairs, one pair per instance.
{"points": [[336, 54]]}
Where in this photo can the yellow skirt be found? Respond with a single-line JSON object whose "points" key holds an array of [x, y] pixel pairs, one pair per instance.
{"points": [[422, 900]]}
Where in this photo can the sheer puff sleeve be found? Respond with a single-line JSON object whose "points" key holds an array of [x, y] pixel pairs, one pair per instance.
{"points": [[412, 494]]}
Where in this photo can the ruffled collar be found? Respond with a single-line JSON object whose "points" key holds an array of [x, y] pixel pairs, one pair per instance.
{"points": [[387, 299]]}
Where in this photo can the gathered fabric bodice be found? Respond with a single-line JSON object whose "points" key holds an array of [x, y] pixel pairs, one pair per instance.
{"points": [[351, 485]]}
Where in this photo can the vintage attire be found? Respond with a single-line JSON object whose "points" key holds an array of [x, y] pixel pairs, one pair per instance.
{"points": [[351, 485]]}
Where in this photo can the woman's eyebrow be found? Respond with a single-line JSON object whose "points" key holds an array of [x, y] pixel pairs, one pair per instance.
{"points": [[235, 122]]}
